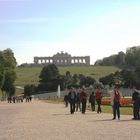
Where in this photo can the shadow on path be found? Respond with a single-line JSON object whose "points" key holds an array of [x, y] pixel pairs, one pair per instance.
{"points": [[61, 114], [110, 120]]}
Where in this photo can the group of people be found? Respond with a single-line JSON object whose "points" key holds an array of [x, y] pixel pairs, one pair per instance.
{"points": [[75, 99], [116, 103], [19, 99], [78, 100]]}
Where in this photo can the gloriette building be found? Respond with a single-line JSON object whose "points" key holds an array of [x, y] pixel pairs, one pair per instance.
{"points": [[63, 59]]}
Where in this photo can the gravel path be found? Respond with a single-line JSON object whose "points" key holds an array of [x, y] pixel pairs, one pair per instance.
{"points": [[45, 121]]}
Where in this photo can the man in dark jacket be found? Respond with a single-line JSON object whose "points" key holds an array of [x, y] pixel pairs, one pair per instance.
{"points": [[92, 101], [78, 105], [136, 104], [72, 99], [83, 99], [66, 100]]}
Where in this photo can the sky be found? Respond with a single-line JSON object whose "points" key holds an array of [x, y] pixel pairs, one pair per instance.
{"points": [[97, 28]]}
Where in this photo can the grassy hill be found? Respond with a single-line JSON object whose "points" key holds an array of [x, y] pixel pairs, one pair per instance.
{"points": [[30, 75]]}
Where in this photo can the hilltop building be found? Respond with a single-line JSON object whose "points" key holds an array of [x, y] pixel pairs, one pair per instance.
{"points": [[59, 59], [63, 59]]}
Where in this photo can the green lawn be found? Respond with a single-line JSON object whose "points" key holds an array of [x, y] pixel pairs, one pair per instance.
{"points": [[30, 75], [123, 110]]}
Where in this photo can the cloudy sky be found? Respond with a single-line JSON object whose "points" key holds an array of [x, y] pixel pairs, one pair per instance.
{"points": [[97, 28]]}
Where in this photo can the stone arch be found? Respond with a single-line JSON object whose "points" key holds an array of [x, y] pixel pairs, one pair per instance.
{"points": [[72, 61], [62, 60], [80, 61], [51, 61]]}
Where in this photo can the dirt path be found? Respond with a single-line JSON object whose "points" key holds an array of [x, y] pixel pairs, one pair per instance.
{"points": [[46, 121]]}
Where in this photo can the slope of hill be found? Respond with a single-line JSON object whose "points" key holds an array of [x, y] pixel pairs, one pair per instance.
{"points": [[30, 75]]}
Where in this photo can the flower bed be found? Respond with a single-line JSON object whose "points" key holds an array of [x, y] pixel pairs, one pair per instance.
{"points": [[124, 101]]}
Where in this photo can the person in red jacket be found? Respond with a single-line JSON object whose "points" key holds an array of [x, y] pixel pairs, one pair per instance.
{"points": [[116, 103], [98, 97]]}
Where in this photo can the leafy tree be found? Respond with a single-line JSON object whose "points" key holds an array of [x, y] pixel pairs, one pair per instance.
{"points": [[7, 71], [12, 90], [49, 73], [10, 77], [29, 90], [130, 78], [130, 60], [50, 78], [120, 59], [87, 81], [68, 79], [133, 56], [125, 78], [98, 62], [107, 80], [9, 59]]}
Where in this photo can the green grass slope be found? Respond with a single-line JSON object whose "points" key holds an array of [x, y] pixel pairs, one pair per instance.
{"points": [[30, 75]]}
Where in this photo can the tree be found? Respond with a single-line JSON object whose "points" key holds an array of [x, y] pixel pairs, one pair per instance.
{"points": [[125, 78], [49, 73], [9, 59], [50, 78], [86, 81], [107, 80], [130, 78], [7, 71], [29, 90], [120, 59], [133, 57], [10, 77]]}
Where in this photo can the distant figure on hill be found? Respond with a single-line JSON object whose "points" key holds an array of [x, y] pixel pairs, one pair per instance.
{"points": [[98, 96]]}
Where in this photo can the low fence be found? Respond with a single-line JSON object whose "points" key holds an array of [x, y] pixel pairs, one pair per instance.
{"points": [[51, 95], [106, 93]]}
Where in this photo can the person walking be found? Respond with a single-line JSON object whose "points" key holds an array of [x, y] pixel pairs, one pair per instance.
{"points": [[92, 101], [83, 99], [116, 103], [136, 104], [72, 99], [78, 105], [98, 96], [66, 100]]}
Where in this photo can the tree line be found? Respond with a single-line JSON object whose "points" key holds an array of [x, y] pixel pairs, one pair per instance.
{"points": [[125, 78], [130, 59]]}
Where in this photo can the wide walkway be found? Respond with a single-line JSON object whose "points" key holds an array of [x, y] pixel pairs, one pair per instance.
{"points": [[45, 121]]}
